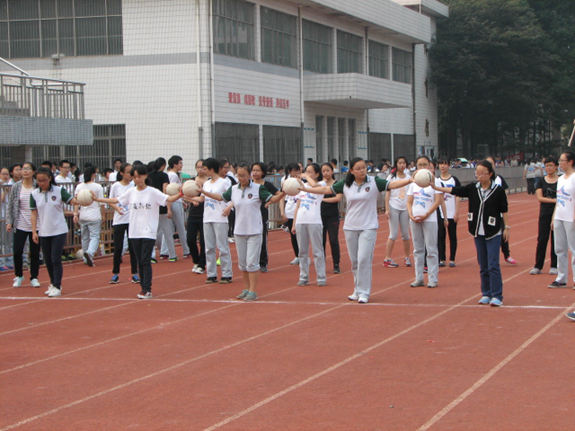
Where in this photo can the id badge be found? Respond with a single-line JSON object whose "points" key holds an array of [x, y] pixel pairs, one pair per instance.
{"points": [[469, 216], [491, 221]]}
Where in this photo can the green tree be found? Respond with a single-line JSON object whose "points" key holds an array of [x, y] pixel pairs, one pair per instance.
{"points": [[494, 72]]}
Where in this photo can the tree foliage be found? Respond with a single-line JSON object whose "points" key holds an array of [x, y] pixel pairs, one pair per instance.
{"points": [[500, 71]]}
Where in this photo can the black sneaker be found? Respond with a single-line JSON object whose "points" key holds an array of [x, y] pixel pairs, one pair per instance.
{"points": [[89, 259], [263, 268], [557, 285], [336, 269], [152, 260], [571, 315], [212, 280], [225, 280]]}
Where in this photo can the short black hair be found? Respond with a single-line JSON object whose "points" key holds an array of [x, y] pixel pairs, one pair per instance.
{"points": [[64, 161], [173, 161], [211, 164]]}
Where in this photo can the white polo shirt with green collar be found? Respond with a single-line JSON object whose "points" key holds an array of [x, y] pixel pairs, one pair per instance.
{"points": [[361, 209], [247, 202]]}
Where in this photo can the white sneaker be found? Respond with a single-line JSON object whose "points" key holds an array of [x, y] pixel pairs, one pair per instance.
{"points": [[553, 271], [295, 261], [49, 289], [353, 297], [34, 282], [231, 240], [362, 299], [55, 292], [199, 270], [194, 269], [535, 271], [18, 281]]}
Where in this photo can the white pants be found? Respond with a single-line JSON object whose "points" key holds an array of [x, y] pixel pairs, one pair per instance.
{"points": [[425, 237], [306, 234], [360, 246], [180, 227], [398, 218], [248, 248], [216, 235], [564, 242]]}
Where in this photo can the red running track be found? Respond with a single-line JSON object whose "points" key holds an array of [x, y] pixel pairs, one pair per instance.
{"points": [[300, 358]]}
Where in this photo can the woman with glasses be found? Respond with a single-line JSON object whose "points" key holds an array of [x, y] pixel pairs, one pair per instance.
{"points": [[361, 222], [19, 221], [488, 222]]}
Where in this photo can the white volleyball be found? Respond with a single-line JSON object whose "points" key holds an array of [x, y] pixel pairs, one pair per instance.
{"points": [[190, 189], [84, 197], [423, 177], [173, 189], [291, 186]]}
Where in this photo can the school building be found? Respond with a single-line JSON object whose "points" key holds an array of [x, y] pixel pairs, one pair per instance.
{"points": [[271, 80]]}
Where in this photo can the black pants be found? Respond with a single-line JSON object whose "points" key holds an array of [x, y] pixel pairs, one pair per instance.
{"points": [[331, 228], [505, 249], [53, 247], [530, 186], [442, 236], [198, 255], [264, 251], [143, 248], [294, 245], [231, 223], [20, 237], [542, 241], [119, 233]]}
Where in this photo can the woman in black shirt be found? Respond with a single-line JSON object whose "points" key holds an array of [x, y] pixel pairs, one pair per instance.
{"points": [[546, 192]]}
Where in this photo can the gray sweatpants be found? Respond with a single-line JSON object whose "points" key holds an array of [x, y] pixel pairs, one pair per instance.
{"points": [[306, 234], [564, 242], [180, 227], [398, 218], [360, 246], [165, 234], [249, 248], [216, 235], [425, 238]]}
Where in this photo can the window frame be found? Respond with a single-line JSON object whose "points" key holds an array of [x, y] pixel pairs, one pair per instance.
{"points": [[226, 16], [349, 60], [312, 61], [278, 36]]}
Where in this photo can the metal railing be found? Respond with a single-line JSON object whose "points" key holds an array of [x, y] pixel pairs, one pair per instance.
{"points": [[29, 96]]}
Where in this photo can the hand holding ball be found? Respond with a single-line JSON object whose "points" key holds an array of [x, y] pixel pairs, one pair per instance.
{"points": [[84, 197], [291, 186], [173, 189], [423, 178], [190, 189]]}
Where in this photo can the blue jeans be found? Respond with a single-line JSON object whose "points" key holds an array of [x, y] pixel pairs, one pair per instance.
{"points": [[488, 259]]}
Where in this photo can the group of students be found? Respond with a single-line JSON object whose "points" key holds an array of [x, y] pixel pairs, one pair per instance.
{"points": [[36, 207]]}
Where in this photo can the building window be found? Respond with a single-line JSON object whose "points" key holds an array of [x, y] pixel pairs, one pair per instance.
{"points": [[109, 145], [352, 141], [401, 65], [404, 145], [234, 28], [317, 47], [237, 142], [282, 145], [378, 60], [379, 146], [349, 53], [279, 38], [42, 28]]}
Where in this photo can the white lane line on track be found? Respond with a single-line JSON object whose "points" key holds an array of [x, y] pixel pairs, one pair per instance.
{"points": [[493, 371]]}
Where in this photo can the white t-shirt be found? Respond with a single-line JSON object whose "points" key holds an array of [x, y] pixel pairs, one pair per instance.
{"points": [[398, 197], [361, 202], [144, 211], [174, 178], [212, 208], [423, 200], [118, 190], [448, 197], [565, 205], [113, 176], [62, 180], [92, 211], [309, 211]]}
